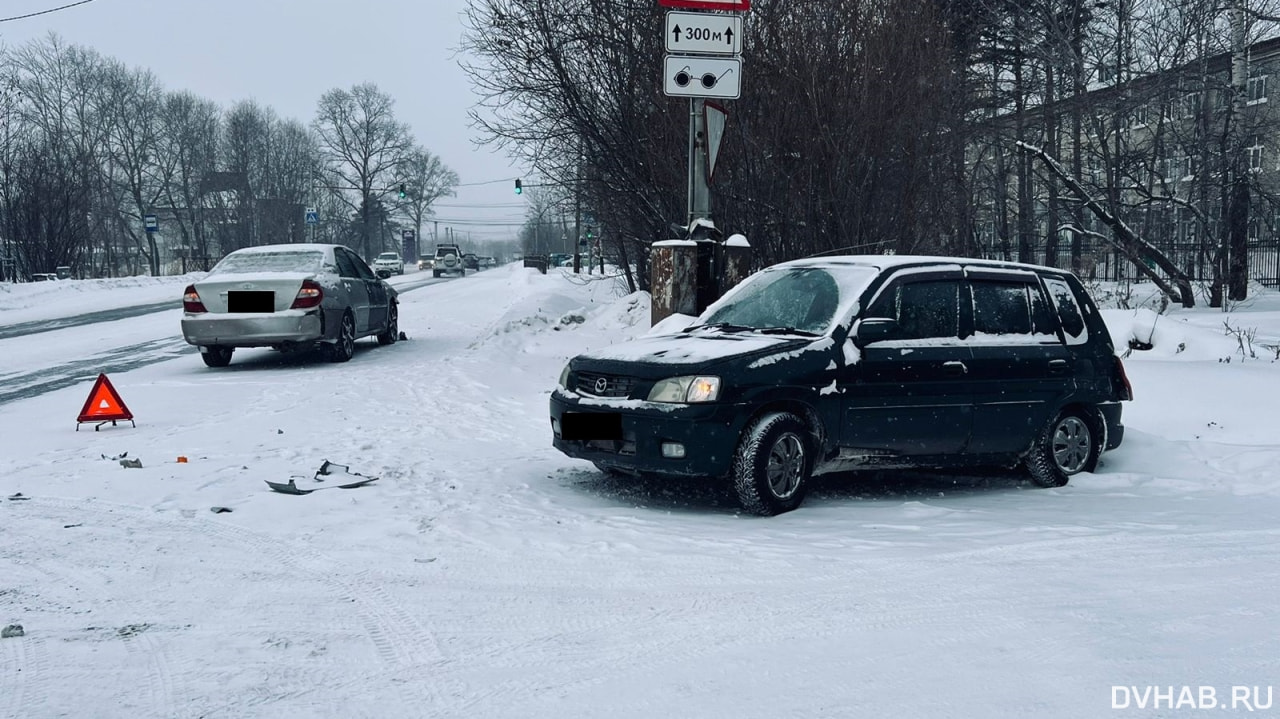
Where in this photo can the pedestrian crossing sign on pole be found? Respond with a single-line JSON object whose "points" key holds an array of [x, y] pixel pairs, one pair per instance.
{"points": [[313, 217]]}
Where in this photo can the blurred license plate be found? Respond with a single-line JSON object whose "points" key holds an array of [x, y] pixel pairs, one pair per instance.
{"points": [[242, 301], [586, 426]]}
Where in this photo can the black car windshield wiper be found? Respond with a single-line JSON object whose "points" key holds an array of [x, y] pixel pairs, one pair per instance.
{"points": [[785, 331], [722, 326]]}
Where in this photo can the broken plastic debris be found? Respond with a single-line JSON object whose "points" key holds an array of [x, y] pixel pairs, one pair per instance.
{"points": [[131, 463], [13, 630]]}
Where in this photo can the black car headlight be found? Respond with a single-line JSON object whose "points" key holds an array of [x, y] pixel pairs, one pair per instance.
{"points": [[686, 389]]}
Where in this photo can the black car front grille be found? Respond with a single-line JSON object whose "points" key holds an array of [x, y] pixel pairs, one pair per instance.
{"points": [[605, 385]]}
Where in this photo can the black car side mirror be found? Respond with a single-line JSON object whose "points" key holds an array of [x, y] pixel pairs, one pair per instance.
{"points": [[873, 329]]}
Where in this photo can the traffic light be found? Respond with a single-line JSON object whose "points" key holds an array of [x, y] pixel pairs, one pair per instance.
{"points": [[402, 190], [519, 187], [591, 232]]}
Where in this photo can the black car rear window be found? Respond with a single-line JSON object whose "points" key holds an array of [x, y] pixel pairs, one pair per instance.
{"points": [[283, 261]]}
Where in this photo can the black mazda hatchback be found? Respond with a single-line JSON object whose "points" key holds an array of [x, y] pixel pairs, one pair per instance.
{"points": [[846, 363]]}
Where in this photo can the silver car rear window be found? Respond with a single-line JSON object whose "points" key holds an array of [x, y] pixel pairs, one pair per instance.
{"points": [[284, 261]]}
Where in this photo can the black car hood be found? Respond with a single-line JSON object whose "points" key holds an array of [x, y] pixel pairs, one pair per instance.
{"points": [[668, 355]]}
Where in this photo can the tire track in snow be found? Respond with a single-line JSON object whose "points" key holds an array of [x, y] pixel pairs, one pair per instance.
{"points": [[92, 590], [155, 658], [13, 680], [24, 385], [398, 639]]}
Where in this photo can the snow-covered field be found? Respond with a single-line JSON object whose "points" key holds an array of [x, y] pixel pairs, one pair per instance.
{"points": [[486, 575]]}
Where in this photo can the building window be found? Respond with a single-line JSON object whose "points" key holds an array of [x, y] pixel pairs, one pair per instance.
{"points": [[1106, 72], [1257, 89], [1190, 104], [1179, 168], [1138, 118], [1255, 154]]}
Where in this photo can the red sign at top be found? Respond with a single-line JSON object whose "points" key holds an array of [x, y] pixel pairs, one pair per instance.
{"points": [[707, 4]]}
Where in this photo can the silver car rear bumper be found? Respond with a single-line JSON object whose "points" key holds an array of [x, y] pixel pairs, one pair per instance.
{"points": [[246, 329]]}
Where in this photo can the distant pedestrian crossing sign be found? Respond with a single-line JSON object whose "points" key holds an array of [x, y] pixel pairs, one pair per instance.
{"points": [[313, 217]]}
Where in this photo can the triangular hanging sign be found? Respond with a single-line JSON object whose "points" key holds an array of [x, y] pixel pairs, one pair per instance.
{"points": [[714, 117]]}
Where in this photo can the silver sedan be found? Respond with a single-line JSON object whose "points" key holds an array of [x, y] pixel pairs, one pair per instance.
{"points": [[288, 297]]}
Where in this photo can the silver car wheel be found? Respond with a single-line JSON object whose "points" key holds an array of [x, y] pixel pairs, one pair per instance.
{"points": [[1072, 444], [785, 467]]}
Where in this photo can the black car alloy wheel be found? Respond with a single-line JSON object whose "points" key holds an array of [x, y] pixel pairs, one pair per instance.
{"points": [[345, 346], [772, 464]]}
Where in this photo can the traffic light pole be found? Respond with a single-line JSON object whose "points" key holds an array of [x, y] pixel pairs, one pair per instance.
{"points": [[699, 183]]}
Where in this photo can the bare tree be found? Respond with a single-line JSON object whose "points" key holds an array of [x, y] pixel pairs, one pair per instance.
{"points": [[189, 135], [364, 149], [426, 180]]}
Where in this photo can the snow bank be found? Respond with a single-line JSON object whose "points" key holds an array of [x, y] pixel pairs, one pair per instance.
{"points": [[33, 301]]}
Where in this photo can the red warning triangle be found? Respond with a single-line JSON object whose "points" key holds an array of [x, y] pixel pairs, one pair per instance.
{"points": [[104, 403]]}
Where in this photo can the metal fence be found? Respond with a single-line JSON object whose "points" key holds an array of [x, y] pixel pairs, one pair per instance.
{"points": [[1101, 261]]}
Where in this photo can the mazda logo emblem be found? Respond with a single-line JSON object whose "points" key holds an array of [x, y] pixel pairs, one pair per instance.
{"points": [[602, 384]]}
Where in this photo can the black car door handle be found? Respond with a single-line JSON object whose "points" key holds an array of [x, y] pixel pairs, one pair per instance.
{"points": [[1058, 366], [954, 369]]}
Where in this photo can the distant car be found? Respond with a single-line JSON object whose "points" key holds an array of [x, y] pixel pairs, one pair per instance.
{"points": [[288, 297], [426, 262], [448, 259], [387, 264], [471, 261], [487, 262]]}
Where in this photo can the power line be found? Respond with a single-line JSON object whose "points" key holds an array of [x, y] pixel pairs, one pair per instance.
{"points": [[471, 184], [492, 205], [44, 12]]}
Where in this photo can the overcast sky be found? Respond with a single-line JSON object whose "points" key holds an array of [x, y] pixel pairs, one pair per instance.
{"points": [[287, 53]]}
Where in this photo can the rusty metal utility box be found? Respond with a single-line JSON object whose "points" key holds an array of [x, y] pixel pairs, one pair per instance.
{"points": [[674, 289]]}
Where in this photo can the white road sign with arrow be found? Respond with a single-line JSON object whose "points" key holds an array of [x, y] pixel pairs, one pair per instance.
{"points": [[704, 34]]}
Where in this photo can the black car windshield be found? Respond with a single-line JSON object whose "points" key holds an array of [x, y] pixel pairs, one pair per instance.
{"points": [[798, 299], [282, 261]]}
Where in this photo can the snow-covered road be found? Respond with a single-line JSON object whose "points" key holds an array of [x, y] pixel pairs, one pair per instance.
{"points": [[485, 575], [113, 341]]}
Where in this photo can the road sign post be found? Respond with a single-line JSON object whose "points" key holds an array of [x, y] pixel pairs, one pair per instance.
{"points": [[701, 76], [703, 62], [693, 33], [150, 224]]}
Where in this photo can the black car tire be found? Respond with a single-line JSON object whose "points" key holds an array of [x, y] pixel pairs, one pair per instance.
{"points": [[345, 345], [772, 464], [216, 355], [392, 332], [1068, 445]]}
